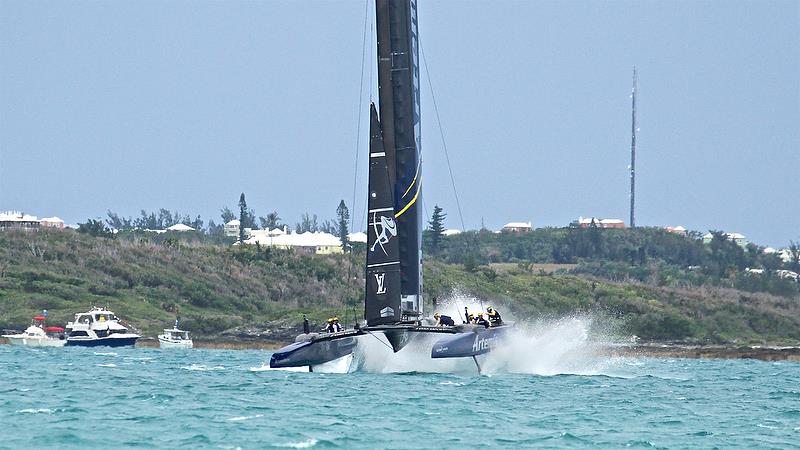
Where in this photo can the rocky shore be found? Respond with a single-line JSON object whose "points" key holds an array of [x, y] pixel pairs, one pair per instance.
{"points": [[655, 350]]}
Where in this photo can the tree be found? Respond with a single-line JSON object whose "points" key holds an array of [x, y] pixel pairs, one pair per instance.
{"points": [[794, 256], [343, 214], [227, 215], [436, 229], [117, 222], [270, 222], [243, 215], [307, 223], [94, 228]]}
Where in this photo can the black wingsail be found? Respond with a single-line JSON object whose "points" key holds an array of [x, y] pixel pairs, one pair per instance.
{"points": [[398, 92], [382, 302]]}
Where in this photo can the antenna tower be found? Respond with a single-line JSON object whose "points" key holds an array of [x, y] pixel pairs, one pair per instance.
{"points": [[633, 149]]}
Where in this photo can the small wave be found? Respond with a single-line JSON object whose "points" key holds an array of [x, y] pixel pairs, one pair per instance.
{"points": [[451, 383], [202, 368], [240, 418], [36, 411], [105, 353], [308, 443], [106, 365]]}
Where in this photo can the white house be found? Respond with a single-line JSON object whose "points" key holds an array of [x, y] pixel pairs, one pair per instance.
{"points": [[738, 238], [14, 219], [518, 227], [180, 227], [231, 229], [358, 236], [52, 222], [451, 232], [319, 242], [586, 222]]}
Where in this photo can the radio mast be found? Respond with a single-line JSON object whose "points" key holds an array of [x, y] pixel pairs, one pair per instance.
{"points": [[633, 149]]}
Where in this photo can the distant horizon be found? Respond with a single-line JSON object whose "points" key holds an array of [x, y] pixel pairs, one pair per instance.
{"points": [[129, 106]]}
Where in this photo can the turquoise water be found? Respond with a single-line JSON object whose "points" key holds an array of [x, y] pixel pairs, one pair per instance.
{"points": [[73, 397]]}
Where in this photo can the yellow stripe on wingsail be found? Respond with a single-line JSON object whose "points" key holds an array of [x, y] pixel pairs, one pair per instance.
{"points": [[409, 205], [414, 181]]}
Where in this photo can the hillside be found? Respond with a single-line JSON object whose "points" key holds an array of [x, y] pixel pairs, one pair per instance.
{"points": [[217, 288]]}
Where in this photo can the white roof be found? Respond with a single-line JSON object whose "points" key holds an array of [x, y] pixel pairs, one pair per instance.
{"points": [[451, 232], [731, 236], [517, 225], [265, 233], [359, 236], [180, 227], [51, 219], [233, 223], [14, 216], [307, 239], [611, 221]]}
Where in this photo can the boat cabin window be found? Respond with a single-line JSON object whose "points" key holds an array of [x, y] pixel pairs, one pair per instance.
{"points": [[84, 319], [79, 333]]}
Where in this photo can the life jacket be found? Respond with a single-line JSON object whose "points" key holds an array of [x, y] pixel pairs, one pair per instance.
{"points": [[446, 320], [494, 318]]}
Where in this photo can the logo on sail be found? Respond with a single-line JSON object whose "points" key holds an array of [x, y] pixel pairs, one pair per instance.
{"points": [[388, 228], [387, 312], [379, 277]]}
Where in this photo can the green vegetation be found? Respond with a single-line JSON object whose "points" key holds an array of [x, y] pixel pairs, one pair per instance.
{"points": [[640, 279]]}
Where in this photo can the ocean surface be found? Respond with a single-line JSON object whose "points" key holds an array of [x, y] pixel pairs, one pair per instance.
{"points": [[540, 394]]}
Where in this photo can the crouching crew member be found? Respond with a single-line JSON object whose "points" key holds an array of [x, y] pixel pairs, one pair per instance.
{"points": [[494, 317], [480, 320], [442, 320]]}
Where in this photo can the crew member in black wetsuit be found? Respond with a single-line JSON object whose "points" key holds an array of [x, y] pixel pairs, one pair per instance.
{"points": [[306, 329], [330, 328], [442, 320], [494, 317], [337, 327]]}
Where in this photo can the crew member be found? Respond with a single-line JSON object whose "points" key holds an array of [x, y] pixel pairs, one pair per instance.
{"points": [[442, 320], [494, 317], [337, 327], [480, 320], [330, 328], [306, 329]]}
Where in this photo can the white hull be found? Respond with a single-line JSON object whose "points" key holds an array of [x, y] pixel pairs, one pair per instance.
{"points": [[35, 342], [167, 343]]}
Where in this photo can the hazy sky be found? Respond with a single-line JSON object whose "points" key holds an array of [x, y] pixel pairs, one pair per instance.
{"points": [[185, 104]]}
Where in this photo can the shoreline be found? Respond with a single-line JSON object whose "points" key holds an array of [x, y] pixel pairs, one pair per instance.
{"points": [[650, 350]]}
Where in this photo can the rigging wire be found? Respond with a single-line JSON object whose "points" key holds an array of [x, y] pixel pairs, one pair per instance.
{"points": [[360, 97], [363, 215], [441, 133]]}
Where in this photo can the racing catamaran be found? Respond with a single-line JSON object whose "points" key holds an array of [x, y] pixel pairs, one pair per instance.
{"points": [[393, 301]]}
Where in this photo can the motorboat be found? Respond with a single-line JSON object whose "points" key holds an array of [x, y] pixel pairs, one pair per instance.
{"points": [[175, 338], [38, 335], [99, 327]]}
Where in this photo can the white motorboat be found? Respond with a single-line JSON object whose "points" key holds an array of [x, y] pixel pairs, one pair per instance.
{"points": [[175, 338], [38, 335], [99, 327]]}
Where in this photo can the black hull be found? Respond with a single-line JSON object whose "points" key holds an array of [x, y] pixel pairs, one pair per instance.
{"points": [[102, 342], [471, 343], [316, 351], [400, 335]]}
